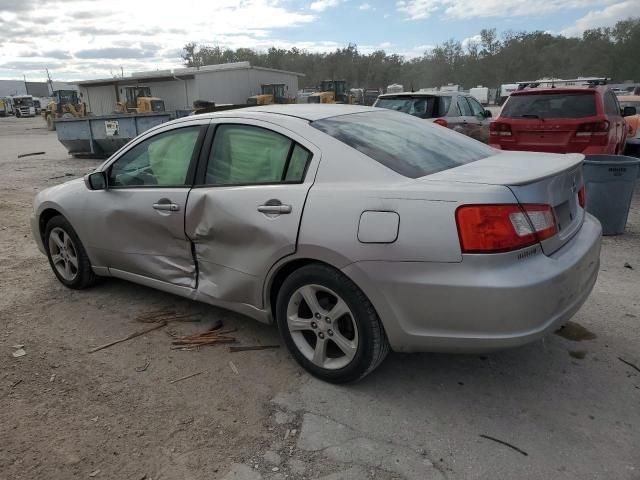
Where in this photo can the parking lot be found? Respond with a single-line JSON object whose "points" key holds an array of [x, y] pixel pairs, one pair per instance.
{"points": [[566, 407]]}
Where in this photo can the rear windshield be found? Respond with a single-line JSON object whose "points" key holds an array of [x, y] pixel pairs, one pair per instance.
{"points": [[550, 105], [422, 106], [405, 144]]}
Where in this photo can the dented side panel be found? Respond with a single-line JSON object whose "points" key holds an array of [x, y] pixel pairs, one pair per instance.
{"points": [[134, 237], [235, 244]]}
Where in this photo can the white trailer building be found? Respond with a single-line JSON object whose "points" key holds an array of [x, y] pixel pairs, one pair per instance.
{"points": [[223, 84]]}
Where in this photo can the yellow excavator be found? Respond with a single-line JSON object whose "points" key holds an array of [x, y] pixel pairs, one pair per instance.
{"points": [[138, 99], [332, 91], [271, 93], [64, 104]]}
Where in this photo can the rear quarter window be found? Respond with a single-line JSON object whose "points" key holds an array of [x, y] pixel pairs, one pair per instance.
{"points": [[405, 144], [542, 105]]}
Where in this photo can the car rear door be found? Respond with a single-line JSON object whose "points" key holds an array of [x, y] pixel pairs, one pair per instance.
{"points": [[244, 213], [138, 221], [465, 122]]}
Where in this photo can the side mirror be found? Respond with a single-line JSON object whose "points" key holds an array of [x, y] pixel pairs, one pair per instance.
{"points": [[628, 111], [96, 181], [487, 114]]}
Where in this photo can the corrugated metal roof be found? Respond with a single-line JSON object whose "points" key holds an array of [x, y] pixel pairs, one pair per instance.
{"points": [[180, 72]]}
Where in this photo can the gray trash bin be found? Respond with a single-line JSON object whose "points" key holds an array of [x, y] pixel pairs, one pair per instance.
{"points": [[609, 183]]}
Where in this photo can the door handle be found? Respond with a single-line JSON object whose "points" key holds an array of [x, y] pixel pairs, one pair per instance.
{"points": [[167, 207], [275, 209]]}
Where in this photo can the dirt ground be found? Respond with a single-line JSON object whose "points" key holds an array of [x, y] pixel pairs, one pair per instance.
{"points": [[568, 403]]}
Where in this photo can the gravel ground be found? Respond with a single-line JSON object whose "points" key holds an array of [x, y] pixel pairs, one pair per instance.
{"points": [[569, 404]]}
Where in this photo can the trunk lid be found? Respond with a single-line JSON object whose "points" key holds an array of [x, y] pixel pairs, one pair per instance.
{"points": [[534, 178]]}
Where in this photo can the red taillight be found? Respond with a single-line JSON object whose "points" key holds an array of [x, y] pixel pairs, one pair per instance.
{"points": [[441, 121], [582, 200], [502, 228], [500, 128], [593, 128]]}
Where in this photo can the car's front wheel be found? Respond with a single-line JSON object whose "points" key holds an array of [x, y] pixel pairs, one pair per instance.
{"points": [[329, 325], [67, 256]]}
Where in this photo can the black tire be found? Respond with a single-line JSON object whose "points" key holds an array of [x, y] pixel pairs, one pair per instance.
{"points": [[373, 345], [84, 276]]}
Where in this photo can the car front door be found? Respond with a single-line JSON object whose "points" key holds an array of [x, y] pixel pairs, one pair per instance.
{"points": [[138, 221], [244, 213]]}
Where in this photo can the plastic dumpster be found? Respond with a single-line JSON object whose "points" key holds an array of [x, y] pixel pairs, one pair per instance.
{"points": [[609, 183]]}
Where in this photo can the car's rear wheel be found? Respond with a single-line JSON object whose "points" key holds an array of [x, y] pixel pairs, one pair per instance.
{"points": [[329, 325], [67, 256]]}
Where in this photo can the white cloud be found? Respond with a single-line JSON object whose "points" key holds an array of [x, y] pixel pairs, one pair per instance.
{"points": [[100, 41], [417, 51], [365, 6], [421, 9], [606, 17], [322, 5], [418, 9], [469, 40]]}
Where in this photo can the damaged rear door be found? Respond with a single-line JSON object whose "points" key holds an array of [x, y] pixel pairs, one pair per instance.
{"points": [[244, 212]]}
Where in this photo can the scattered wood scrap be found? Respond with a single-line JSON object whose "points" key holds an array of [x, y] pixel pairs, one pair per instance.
{"points": [[214, 336], [245, 348], [155, 316], [160, 317], [506, 444], [635, 367], [129, 337], [186, 377], [22, 155]]}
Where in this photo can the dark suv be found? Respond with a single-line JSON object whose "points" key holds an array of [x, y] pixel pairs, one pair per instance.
{"points": [[458, 111], [585, 120]]}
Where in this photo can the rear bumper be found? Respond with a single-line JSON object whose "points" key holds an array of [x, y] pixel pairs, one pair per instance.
{"points": [[485, 302]]}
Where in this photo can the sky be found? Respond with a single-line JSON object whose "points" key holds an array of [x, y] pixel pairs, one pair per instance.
{"points": [[87, 39]]}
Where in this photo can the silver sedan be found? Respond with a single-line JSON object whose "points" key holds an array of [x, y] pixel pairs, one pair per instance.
{"points": [[357, 230]]}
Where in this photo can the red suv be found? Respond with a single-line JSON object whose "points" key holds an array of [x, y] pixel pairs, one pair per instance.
{"points": [[561, 120]]}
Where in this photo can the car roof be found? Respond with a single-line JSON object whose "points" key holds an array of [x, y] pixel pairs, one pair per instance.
{"points": [[310, 112], [560, 90], [421, 94], [629, 98]]}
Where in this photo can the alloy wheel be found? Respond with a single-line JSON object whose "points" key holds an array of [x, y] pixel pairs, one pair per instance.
{"points": [[64, 255], [322, 326]]}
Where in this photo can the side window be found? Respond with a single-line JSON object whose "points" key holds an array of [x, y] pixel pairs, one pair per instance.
{"points": [[463, 106], [476, 108], [162, 160], [611, 104], [246, 155], [297, 164], [443, 106]]}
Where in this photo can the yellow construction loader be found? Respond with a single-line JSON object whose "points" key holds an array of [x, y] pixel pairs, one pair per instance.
{"points": [[271, 93], [331, 91], [64, 104], [138, 99]]}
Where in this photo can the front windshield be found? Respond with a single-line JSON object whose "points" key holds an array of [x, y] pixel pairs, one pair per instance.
{"points": [[23, 102]]}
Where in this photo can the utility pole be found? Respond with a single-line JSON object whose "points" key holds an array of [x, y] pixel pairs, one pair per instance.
{"points": [[49, 80]]}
